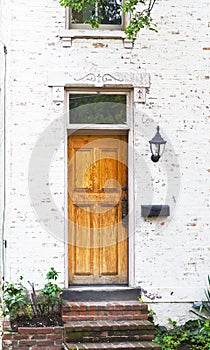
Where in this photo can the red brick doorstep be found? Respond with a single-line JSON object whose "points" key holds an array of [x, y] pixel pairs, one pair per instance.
{"points": [[33, 338]]}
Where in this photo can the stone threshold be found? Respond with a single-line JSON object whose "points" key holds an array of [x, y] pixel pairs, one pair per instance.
{"points": [[101, 293]]}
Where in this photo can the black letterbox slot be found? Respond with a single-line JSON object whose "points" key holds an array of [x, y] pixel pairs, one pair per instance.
{"points": [[155, 210]]}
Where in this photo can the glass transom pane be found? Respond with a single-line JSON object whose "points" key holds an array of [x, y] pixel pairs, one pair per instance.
{"points": [[107, 12], [97, 109]]}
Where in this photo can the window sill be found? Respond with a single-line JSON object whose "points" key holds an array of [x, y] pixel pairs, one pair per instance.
{"points": [[68, 35]]}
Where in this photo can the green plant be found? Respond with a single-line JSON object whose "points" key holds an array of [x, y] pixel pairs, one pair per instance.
{"points": [[18, 301], [203, 307], [52, 274], [151, 315], [151, 312], [194, 335], [15, 300], [140, 12], [49, 296]]}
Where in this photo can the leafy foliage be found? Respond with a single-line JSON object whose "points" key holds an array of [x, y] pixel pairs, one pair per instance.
{"points": [[18, 301], [203, 307], [15, 300], [140, 12], [151, 312], [194, 335], [52, 274], [139, 18]]}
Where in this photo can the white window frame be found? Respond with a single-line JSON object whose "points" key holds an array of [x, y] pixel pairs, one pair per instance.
{"points": [[85, 31], [124, 126], [87, 26]]}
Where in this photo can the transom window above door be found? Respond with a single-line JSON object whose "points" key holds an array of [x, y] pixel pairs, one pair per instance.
{"points": [[97, 108], [108, 13]]}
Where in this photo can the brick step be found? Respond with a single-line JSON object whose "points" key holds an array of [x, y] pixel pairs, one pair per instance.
{"points": [[109, 346], [108, 331], [104, 310]]}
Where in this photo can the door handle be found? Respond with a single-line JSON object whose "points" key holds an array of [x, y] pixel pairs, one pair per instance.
{"points": [[124, 208]]}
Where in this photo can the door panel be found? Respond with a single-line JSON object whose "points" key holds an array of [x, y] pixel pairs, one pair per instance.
{"points": [[97, 170]]}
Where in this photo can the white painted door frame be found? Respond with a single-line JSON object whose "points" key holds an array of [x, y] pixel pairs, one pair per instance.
{"points": [[137, 82]]}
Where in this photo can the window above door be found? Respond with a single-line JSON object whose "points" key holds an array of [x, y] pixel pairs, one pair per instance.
{"points": [[98, 108]]}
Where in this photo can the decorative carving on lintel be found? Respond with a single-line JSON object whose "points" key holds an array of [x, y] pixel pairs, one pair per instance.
{"points": [[100, 78], [117, 79]]}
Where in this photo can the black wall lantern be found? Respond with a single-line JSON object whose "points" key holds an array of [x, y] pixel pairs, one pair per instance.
{"points": [[157, 146]]}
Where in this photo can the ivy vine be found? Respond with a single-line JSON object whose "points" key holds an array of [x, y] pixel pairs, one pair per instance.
{"points": [[139, 10]]}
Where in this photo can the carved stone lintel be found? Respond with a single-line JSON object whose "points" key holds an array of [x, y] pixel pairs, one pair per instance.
{"points": [[117, 79]]}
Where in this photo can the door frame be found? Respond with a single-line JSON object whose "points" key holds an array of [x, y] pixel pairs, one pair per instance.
{"points": [[105, 130]]}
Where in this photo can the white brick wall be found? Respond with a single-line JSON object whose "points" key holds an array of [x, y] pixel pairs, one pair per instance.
{"points": [[4, 40], [171, 255]]}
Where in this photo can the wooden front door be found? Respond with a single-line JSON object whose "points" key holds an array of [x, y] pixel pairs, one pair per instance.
{"points": [[98, 248]]}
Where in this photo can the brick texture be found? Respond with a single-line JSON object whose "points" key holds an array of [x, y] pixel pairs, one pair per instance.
{"points": [[104, 311], [108, 329], [33, 339]]}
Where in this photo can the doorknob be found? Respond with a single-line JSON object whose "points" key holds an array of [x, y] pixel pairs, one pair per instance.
{"points": [[124, 208]]}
